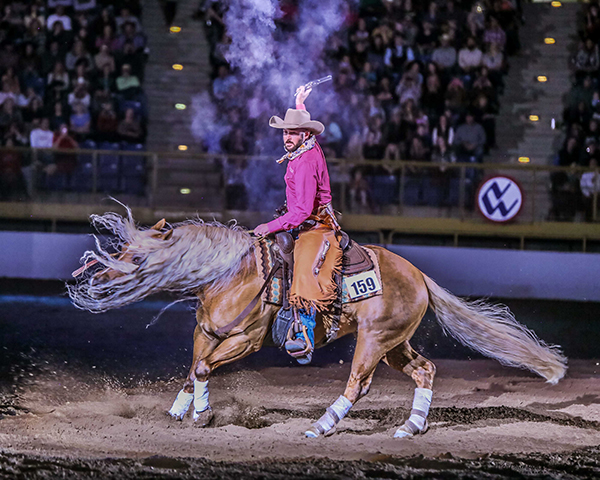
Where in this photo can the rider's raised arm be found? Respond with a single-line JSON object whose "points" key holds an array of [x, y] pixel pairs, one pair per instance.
{"points": [[301, 94]]}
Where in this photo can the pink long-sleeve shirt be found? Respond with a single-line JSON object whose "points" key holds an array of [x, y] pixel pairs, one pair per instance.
{"points": [[307, 188]]}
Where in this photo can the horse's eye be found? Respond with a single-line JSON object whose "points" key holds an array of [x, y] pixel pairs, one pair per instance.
{"points": [[137, 260]]}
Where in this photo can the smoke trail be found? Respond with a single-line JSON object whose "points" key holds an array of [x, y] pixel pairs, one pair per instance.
{"points": [[251, 25], [207, 125], [282, 60], [275, 59], [270, 61]]}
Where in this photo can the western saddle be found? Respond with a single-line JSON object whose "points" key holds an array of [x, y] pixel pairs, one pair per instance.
{"points": [[355, 260]]}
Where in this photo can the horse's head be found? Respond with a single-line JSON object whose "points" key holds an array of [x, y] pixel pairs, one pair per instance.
{"points": [[149, 260], [132, 254], [125, 276]]}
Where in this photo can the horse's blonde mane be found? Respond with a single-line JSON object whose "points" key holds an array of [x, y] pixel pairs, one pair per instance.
{"points": [[198, 253]]}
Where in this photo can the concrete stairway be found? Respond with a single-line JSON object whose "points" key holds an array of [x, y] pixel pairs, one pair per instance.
{"points": [[164, 86], [524, 95]]}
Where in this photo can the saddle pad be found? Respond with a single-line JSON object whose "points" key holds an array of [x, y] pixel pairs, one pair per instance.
{"points": [[273, 292]]}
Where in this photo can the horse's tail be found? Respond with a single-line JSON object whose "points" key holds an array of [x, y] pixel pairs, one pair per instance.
{"points": [[493, 331]]}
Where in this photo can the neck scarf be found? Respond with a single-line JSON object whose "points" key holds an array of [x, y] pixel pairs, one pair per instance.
{"points": [[305, 147]]}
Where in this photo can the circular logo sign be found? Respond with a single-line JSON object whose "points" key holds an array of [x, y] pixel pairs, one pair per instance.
{"points": [[499, 199]]}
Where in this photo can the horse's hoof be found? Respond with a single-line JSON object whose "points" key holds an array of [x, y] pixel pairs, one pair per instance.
{"points": [[403, 432], [176, 416], [313, 432], [203, 419], [406, 432]]}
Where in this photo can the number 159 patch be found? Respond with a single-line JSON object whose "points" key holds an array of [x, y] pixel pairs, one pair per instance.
{"points": [[365, 283]]}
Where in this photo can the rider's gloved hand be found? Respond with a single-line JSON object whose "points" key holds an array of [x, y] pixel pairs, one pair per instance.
{"points": [[262, 230], [301, 94]]}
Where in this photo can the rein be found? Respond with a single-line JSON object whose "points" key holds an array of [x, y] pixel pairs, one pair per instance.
{"points": [[221, 332], [82, 269]]}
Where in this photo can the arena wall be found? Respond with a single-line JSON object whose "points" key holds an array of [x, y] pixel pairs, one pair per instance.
{"points": [[464, 271]]}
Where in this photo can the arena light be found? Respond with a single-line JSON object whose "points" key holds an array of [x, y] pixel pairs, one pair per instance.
{"points": [[549, 41], [556, 4], [180, 106], [534, 118], [175, 29], [524, 160], [183, 148], [177, 66], [185, 191], [542, 78]]}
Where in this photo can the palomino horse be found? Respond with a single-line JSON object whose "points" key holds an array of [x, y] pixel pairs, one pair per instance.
{"points": [[217, 263]]}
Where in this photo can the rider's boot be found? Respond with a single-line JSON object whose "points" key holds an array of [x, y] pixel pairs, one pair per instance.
{"points": [[301, 345]]}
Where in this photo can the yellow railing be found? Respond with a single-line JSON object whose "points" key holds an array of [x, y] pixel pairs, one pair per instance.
{"points": [[180, 184]]}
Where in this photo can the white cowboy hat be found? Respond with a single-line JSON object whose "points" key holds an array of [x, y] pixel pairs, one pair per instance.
{"points": [[297, 119]]}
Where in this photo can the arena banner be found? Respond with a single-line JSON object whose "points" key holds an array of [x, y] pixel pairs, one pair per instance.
{"points": [[500, 199]]}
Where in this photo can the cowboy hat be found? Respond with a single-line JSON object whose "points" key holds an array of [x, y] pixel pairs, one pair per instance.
{"points": [[297, 119]]}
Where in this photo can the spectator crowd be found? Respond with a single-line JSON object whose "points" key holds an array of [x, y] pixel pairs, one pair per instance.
{"points": [[71, 76], [573, 192], [413, 81]]}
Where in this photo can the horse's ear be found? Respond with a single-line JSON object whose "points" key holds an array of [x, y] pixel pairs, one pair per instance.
{"points": [[167, 235], [159, 225]]}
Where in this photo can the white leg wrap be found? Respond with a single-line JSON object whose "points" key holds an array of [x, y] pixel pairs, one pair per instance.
{"points": [[418, 415], [420, 408], [181, 404], [332, 416], [200, 397]]}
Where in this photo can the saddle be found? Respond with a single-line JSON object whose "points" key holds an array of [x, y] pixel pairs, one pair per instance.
{"points": [[354, 260]]}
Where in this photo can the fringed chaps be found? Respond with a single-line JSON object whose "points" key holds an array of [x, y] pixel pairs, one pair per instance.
{"points": [[317, 258]]}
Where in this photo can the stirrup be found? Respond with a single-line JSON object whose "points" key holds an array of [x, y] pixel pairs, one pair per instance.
{"points": [[299, 348]]}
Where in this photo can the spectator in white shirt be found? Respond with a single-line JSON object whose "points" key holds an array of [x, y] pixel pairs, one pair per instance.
{"points": [[59, 16], [469, 57], [444, 56], [126, 17], [590, 184], [42, 136]]}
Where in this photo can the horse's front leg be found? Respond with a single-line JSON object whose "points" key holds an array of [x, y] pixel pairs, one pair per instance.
{"points": [[229, 350], [203, 346]]}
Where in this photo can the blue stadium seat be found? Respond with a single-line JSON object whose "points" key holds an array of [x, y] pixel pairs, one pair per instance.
{"points": [[89, 145], [384, 189], [133, 185], [412, 190], [58, 181], [133, 169], [453, 192], [137, 107], [83, 177], [108, 168], [433, 191]]}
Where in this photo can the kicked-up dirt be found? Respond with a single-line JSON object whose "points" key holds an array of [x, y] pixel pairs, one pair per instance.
{"points": [[486, 421], [85, 396]]}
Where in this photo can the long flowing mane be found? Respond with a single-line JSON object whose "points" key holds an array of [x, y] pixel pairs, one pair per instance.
{"points": [[196, 254]]}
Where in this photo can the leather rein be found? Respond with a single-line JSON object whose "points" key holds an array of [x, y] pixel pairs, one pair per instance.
{"points": [[222, 332]]}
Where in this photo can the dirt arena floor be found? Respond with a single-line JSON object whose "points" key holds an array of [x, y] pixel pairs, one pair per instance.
{"points": [[85, 397]]}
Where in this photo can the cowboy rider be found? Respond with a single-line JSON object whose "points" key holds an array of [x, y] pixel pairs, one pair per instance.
{"points": [[308, 196]]}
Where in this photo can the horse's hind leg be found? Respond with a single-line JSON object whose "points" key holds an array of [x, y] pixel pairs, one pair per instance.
{"points": [[422, 371]]}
